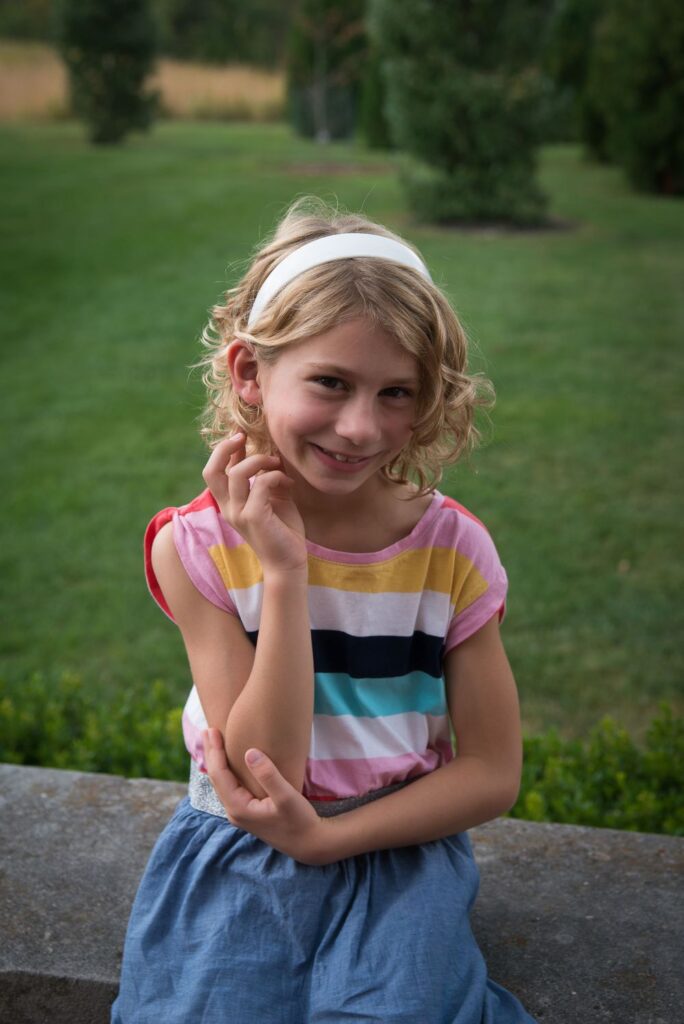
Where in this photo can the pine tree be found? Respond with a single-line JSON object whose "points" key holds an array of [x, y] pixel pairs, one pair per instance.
{"points": [[463, 99], [109, 50]]}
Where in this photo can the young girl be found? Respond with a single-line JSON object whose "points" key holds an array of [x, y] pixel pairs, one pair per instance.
{"points": [[340, 616]]}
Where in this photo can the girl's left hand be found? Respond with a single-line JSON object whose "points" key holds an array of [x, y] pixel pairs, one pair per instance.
{"points": [[283, 818]]}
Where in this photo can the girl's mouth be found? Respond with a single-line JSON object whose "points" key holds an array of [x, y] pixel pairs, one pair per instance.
{"points": [[347, 463]]}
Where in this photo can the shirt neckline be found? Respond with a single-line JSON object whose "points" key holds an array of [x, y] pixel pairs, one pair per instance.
{"points": [[384, 554]]}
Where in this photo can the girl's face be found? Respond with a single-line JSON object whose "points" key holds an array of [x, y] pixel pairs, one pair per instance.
{"points": [[341, 406]]}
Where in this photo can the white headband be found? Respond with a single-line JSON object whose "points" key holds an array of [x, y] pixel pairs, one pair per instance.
{"points": [[326, 249]]}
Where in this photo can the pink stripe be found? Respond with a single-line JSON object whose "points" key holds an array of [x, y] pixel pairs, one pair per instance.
{"points": [[456, 529], [491, 603], [193, 536], [341, 778], [192, 736], [211, 527]]}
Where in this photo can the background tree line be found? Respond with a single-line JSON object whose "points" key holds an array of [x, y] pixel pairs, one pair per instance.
{"points": [[466, 91]]}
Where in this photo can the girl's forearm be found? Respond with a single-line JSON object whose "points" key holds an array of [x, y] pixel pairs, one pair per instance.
{"points": [[274, 711], [466, 792]]}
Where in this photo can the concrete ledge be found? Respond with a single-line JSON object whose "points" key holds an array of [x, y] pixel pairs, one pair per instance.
{"points": [[585, 925]]}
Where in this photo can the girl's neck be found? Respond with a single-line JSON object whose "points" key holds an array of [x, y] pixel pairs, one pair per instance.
{"points": [[361, 522]]}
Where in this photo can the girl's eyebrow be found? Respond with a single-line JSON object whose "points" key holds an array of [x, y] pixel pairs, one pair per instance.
{"points": [[340, 371]]}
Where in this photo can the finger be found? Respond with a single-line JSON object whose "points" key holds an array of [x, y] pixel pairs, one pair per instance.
{"points": [[268, 776], [238, 801], [240, 475], [270, 486], [227, 452], [222, 778]]}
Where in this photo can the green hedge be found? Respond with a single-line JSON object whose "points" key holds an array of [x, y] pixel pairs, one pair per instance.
{"points": [[608, 781], [58, 722]]}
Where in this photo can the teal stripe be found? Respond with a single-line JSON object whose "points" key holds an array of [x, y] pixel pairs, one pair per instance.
{"points": [[339, 694]]}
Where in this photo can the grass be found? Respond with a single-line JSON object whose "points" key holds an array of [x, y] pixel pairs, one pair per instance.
{"points": [[33, 84], [111, 258]]}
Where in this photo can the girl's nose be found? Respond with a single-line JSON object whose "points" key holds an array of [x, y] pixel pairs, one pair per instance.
{"points": [[358, 422]]}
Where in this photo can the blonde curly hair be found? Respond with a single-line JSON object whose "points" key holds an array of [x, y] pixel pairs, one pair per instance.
{"points": [[393, 297]]}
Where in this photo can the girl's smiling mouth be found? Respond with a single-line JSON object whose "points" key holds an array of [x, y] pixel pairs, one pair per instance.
{"points": [[339, 460]]}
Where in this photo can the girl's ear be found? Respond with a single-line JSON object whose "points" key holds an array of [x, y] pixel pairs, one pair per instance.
{"points": [[244, 371]]}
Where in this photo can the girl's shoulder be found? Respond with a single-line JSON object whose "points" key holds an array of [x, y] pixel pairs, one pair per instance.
{"points": [[480, 582], [453, 525], [199, 529]]}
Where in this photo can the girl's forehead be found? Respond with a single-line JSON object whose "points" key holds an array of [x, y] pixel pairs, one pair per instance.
{"points": [[356, 343]]}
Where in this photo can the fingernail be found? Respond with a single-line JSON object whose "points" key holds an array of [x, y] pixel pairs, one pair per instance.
{"points": [[254, 757]]}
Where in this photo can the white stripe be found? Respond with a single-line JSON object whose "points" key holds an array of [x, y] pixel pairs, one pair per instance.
{"points": [[343, 736], [193, 710], [390, 614], [359, 614]]}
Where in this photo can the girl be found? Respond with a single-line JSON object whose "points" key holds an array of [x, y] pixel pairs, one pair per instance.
{"points": [[340, 616]]}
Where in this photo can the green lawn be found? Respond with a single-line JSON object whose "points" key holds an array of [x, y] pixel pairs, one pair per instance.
{"points": [[110, 260]]}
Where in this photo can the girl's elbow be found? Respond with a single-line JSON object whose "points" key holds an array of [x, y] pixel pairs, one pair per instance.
{"points": [[508, 789]]}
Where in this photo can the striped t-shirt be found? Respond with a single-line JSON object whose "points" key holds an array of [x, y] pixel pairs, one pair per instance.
{"points": [[381, 624]]}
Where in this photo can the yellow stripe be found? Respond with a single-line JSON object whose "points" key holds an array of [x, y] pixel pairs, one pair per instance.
{"points": [[438, 569], [239, 567]]}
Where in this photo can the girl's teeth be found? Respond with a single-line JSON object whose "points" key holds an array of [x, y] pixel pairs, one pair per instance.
{"points": [[340, 458]]}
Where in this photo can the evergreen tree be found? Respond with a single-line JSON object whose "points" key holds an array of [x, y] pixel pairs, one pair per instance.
{"points": [[222, 31], [636, 83], [109, 49], [567, 59], [463, 92]]}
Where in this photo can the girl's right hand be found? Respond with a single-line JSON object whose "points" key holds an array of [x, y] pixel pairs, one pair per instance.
{"points": [[263, 513]]}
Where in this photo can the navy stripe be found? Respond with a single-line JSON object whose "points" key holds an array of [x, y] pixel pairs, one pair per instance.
{"points": [[379, 657]]}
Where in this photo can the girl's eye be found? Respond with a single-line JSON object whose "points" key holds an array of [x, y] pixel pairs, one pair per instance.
{"points": [[398, 392], [333, 383]]}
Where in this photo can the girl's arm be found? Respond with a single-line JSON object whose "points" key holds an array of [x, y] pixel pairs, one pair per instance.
{"points": [[479, 784], [257, 698]]}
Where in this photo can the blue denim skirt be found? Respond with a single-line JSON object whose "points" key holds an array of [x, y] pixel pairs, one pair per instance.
{"points": [[226, 930]]}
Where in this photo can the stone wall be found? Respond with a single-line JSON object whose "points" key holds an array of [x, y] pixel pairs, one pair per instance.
{"points": [[585, 925]]}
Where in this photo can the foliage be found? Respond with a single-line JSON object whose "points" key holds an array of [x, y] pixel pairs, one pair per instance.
{"points": [[566, 59], [607, 782], [463, 98], [30, 19], [109, 51], [372, 120], [220, 31], [635, 83], [325, 63], [61, 723]]}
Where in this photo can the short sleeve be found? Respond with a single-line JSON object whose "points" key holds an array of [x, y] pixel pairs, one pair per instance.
{"points": [[480, 591], [197, 530]]}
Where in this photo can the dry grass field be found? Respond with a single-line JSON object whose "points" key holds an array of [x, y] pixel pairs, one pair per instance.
{"points": [[33, 86]]}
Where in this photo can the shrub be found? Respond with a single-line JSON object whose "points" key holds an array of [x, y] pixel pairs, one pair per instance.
{"points": [[60, 723], [636, 84], [608, 781], [109, 51], [463, 99]]}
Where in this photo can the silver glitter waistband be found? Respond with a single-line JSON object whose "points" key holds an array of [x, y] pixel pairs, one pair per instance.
{"points": [[203, 797]]}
